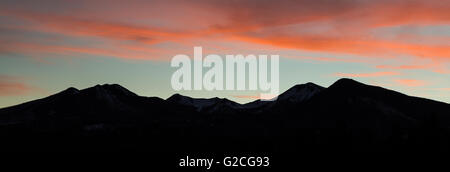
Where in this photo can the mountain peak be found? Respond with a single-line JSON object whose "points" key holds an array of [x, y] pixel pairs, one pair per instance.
{"points": [[180, 99], [67, 92], [113, 88], [346, 82], [200, 104], [70, 90], [310, 84], [300, 92]]}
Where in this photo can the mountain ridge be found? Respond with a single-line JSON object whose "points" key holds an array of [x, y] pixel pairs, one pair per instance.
{"points": [[289, 93], [348, 115]]}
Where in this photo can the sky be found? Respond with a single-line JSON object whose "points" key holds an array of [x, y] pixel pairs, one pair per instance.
{"points": [[47, 46]]}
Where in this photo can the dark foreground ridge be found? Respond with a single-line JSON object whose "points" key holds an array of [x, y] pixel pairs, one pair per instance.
{"points": [[347, 116]]}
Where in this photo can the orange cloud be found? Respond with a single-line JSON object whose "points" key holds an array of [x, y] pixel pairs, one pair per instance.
{"points": [[324, 25], [336, 26], [82, 27], [360, 75], [12, 86], [344, 14], [402, 67], [328, 59], [120, 51], [434, 66], [410, 82], [359, 46]]}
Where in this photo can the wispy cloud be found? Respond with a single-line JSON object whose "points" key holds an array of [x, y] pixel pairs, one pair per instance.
{"points": [[443, 89], [402, 66], [434, 66], [410, 82], [324, 25], [362, 75], [247, 96], [14, 86], [73, 26]]}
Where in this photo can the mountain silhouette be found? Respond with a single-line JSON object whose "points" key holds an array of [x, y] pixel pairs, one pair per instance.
{"points": [[346, 116]]}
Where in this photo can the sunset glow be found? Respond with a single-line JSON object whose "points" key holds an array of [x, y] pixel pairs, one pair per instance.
{"points": [[49, 45]]}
